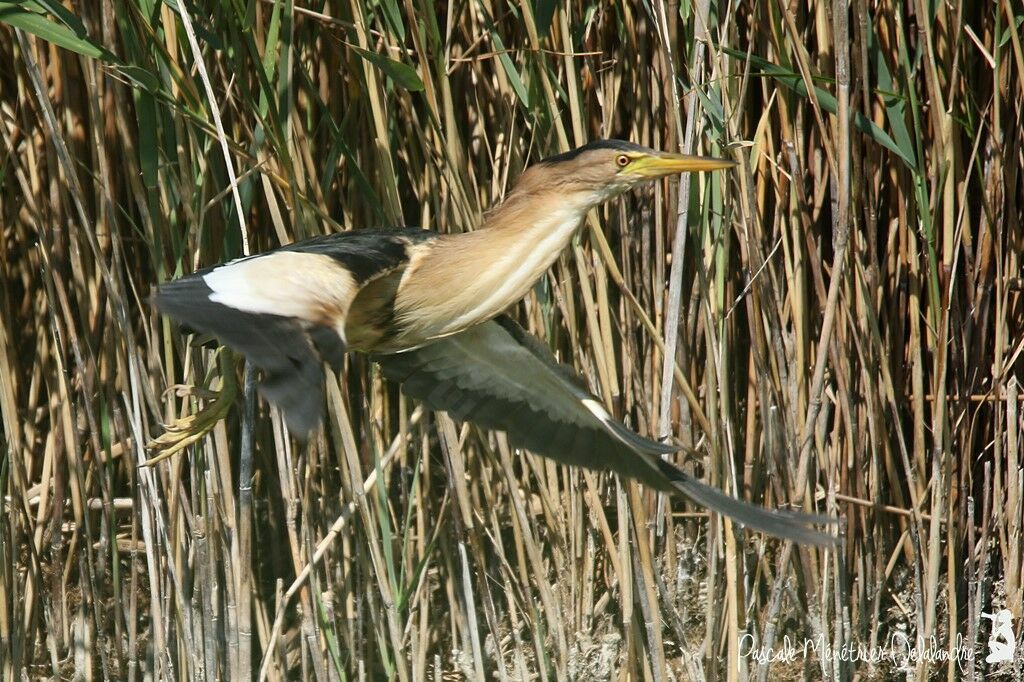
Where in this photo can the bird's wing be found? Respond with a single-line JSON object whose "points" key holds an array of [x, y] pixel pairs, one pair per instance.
{"points": [[286, 309], [499, 377]]}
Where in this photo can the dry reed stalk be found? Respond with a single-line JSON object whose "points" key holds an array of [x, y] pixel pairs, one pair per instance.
{"points": [[837, 325]]}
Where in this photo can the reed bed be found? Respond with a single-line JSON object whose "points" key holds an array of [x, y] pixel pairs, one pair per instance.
{"points": [[837, 326]]}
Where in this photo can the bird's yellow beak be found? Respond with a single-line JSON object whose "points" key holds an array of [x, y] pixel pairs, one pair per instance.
{"points": [[650, 166]]}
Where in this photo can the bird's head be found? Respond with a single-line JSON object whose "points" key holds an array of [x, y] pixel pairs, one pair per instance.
{"points": [[604, 169]]}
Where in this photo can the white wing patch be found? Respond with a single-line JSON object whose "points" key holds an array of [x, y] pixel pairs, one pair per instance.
{"points": [[598, 410], [308, 286]]}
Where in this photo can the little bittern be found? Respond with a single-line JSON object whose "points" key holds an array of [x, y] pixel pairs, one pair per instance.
{"points": [[428, 308]]}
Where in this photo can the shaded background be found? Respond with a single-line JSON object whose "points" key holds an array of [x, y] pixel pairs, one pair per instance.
{"points": [[844, 312]]}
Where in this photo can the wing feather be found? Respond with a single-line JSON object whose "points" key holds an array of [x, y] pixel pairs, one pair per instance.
{"points": [[286, 309], [499, 377]]}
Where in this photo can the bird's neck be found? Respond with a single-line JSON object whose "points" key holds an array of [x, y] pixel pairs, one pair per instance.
{"points": [[465, 279], [536, 213], [522, 239]]}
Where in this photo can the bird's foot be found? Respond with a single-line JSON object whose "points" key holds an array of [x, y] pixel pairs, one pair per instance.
{"points": [[191, 428]]}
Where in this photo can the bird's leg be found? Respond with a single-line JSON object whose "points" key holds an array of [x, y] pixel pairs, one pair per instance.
{"points": [[191, 428]]}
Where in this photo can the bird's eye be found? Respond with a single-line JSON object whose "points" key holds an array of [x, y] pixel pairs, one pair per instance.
{"points": [[622, 160]]}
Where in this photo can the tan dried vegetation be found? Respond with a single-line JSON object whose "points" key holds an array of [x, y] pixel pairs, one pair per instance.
{"points": [[842, 317]]}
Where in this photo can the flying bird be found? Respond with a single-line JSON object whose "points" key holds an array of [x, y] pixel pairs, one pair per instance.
{"points": [[428, 307]]}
